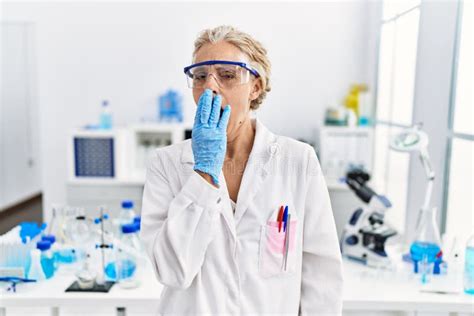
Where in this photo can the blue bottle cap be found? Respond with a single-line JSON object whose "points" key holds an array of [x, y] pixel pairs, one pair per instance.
{"points": [[137, 222], [43, 245], [137, 226], [127, 204], [129, 228], [50, 238]]}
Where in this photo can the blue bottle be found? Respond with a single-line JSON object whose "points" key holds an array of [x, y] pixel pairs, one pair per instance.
{"points": [[127, 214], [170, 106], [105, 121], [54, 250], [126, 262], [47, 258], [469, 267]]}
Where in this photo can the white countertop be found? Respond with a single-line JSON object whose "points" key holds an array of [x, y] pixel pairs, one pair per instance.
{"points": [[369, 289], [52, 293], [365, 289]]}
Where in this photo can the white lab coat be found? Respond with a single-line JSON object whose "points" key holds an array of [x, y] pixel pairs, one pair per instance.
{"points": [[212, 261]]}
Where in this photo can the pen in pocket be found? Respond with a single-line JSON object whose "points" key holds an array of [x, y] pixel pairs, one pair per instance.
{"points": [[285, 218], [287, 240], [280, 218]]}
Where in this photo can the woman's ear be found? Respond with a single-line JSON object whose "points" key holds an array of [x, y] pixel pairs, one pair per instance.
{"points": [[256, 89]]}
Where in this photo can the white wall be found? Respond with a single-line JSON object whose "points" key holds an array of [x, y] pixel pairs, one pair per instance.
{"points": [[20, 165], [130, 52]]}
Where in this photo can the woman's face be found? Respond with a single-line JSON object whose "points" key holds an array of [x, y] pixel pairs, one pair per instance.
{"points": [[238, 97]]}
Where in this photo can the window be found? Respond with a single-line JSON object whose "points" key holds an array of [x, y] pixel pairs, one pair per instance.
{"points": [[460, 154], [395, 94]]}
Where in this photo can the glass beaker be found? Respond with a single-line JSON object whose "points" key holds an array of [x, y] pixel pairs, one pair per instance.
{"points": [[425, 249]]}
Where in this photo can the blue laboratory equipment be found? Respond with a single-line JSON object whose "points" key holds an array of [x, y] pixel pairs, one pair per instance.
{"points": [[29, 230], [425, 250], [137, 221], [50, 238], [14, 281], [105, 121], [127, 215], [469, 267], [127, 267], [170, 106], [122, 265], [15, 249], [54, 249], [36, 271], [126, 261], [66, 255], [47, 258], [106, 249], [110, 271], [366, 235], [105, 226], [107, 262]]}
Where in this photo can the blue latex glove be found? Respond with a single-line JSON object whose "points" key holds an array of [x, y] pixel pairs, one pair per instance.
{"points": [[209, 138]]}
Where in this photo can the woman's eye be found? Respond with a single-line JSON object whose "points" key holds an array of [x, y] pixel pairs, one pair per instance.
{"points": [[227, 75], [199, 76]]}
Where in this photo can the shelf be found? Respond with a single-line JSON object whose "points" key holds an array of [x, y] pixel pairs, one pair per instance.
{"points": [[102, 182]]}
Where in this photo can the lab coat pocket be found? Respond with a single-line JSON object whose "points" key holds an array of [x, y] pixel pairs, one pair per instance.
{"points": [[273, 250]]}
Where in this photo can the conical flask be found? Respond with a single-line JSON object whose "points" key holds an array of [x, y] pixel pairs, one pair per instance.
{"points": [[427, 242]]}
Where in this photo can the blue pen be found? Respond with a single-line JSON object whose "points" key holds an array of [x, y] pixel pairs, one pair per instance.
{"points": [[285, 218]]}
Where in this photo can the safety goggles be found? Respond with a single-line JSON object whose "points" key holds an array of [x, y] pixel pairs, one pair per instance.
{"points": [[228, 74]]}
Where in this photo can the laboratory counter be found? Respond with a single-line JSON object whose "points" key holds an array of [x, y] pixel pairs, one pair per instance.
{"points": [[366, 292]]}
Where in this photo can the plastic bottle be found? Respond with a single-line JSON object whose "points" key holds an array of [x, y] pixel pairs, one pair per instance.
{"points": [[47, 258], [469, 267], [352, 101], [54, 248], [126, 260], [426, 247], [365, 108], [35, 271], [105, 121], [127, 214]]}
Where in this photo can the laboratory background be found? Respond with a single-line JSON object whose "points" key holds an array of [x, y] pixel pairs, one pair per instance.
{"points": [[383, 91]]}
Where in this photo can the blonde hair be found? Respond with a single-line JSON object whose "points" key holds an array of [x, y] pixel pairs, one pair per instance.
{"points": [[248, 45]]}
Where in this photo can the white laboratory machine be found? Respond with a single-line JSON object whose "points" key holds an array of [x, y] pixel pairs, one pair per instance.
{"points": [[108, 166]]}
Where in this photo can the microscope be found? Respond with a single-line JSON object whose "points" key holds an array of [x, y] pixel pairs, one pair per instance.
{"points": [[365, 236]]}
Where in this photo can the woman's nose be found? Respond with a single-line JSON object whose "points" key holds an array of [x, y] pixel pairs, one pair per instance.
{"points": [[212, 84]]}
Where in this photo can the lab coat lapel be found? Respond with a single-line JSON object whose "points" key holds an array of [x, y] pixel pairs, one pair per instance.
{"points": [[263, 152], [227, 208], [187, 158]]}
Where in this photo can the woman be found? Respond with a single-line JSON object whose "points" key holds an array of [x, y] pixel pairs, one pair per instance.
{"points": [[237, 219]]}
